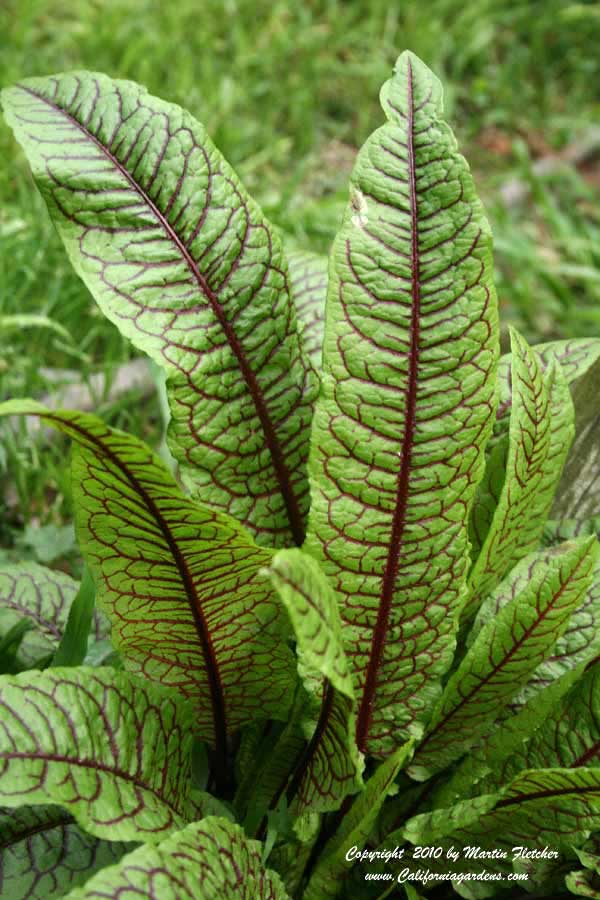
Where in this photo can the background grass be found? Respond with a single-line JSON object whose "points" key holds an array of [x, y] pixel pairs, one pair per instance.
{"points": [[289, 92]]}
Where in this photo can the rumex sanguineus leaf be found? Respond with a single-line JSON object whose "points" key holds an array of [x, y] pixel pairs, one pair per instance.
{"points": [[580, 641], [355, 828], [331, 765], [112, 750], [552, 808], [406, 406], [505, 653], [181, 259], [207, 860], [44, 596], [44, 853], [541, 430], [181, 583]]}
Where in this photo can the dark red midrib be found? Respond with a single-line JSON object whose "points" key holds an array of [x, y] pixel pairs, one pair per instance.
{"points": [[541, 795], [279, 465], [310, 749], [210, 660], [89, 764], [365, 713], [32, 830], [503, 662]]}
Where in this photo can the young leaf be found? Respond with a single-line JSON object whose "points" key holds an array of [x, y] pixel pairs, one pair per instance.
{"points": [[580, 641], [541, 430], [355, 828], [45, 597], [331, 765], [406, 406], [179, 257], [504, 654], [575, 357], [553, 807], [113, 751], [44, 853], [180, 582], [507, 737], [568, 738], [207, 860]]}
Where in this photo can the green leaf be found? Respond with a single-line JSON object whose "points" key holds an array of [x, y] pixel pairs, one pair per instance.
{"points": [[312, 607], [504, 654], [113, 751], [568, 738], [44, 853], [72, 649], [579, 643], [180, 583], [552, 807], [207, 860], [541, 430], [10, 644], [406, 406], [489, 492], [308, 283], [575, 357], [180, 258], [355, 828], [507, 737], [44, 597], [331, 765], [583, 884], [578, 494]]}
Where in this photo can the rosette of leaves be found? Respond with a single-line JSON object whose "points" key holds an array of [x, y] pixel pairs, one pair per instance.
{"points": [[364, 610]]}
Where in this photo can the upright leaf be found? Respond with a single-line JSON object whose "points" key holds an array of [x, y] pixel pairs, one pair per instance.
{"points": [[575, 357], [180, 258], [580, 641], [504, 654], [568, 738], [541, 430], [355, 828], [308, 282], [330, 767], [113, 751], [44, 596], [44, 853], [207, 860], [556, 808], [179, 582], [406, 406]]}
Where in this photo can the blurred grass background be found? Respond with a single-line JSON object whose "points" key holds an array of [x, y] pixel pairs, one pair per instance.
{"points": [[288, 92]]}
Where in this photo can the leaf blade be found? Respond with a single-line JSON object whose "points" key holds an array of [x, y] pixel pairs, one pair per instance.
{"points": [[50, 753], [378, 464], [180, 258]]}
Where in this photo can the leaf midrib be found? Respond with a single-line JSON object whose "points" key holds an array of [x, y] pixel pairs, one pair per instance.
{"points": [[279, 465], [98, 767], [210, 659], [504, 661], [365, 714]]}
